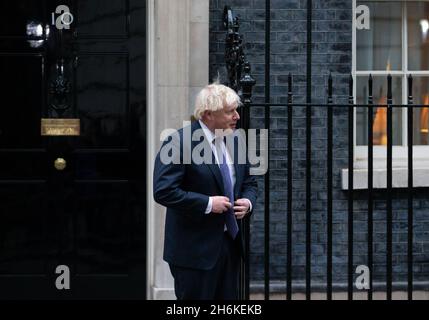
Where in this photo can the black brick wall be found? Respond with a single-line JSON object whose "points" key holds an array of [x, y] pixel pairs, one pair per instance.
{"points": [[332, 43]]}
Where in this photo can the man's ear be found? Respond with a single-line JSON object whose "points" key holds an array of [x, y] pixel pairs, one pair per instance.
{"points": [[208, 115]]}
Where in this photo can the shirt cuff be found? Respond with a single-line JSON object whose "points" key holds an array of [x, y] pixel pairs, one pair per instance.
{"points": [[209, 206]]}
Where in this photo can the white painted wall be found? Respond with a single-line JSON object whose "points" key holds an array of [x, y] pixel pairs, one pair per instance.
{"points": [[178, 67]]}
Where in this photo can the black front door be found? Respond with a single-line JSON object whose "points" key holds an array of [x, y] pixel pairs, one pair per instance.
{"points": [[72, 186]]}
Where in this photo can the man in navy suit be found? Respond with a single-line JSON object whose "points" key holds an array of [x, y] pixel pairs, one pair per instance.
{"points": [[203, 244]]}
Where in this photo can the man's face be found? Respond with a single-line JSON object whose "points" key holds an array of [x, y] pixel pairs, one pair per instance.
{"points": [[226, 118]]}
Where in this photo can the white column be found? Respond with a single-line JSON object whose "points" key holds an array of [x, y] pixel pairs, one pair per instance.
{"points": [[178, 62]]}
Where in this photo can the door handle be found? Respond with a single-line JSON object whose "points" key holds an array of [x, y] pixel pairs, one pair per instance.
{"points": [[60, 164]]}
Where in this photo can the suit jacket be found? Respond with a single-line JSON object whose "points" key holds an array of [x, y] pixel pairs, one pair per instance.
{"points": [[193, 239]]}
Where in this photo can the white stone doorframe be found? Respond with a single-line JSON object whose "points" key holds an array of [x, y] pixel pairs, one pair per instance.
{"points": [[177, 68]]}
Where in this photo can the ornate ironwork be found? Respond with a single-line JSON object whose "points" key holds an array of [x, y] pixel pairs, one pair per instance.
{"points": [[241, 80], [247, 82], [59, 89], [239, 77]]}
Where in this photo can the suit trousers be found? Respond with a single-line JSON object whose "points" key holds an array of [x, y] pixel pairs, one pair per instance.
{"points": [[218, 283]]}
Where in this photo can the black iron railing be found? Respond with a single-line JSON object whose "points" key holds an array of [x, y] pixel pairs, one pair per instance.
{"points": [[241, 80]]}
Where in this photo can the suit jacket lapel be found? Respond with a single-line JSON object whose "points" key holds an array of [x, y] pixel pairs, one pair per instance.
{"points": [[214, 168]]}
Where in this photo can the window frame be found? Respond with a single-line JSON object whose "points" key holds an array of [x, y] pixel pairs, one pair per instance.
{"points": [[399, 153]]}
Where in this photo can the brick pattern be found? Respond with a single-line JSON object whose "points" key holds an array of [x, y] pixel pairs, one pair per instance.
{"points": [[331, 45]]}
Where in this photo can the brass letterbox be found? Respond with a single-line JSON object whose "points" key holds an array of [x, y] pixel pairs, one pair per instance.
{"points": [[60, 127]]}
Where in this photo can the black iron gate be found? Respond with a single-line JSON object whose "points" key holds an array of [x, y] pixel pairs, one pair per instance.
{"points": [[241, 80]]}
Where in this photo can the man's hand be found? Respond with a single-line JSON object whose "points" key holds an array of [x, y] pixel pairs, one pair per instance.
{"points": [[241, 208], [220, 204]]}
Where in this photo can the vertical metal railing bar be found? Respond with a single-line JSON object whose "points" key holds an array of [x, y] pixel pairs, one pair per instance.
{"points": [[267, 175], [370, 183], [308, 157], [289, 190], [410, 187], [240, 80], [389, 192], [329, 193], [246, 263], [246, 279], [308, 206], [242, 223], [350, 190]]}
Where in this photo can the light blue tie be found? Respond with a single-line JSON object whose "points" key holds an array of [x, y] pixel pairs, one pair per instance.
{"points": [[230, 221]]}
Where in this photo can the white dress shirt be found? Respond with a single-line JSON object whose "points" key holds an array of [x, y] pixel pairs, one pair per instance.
{"points": [[210, 137]]}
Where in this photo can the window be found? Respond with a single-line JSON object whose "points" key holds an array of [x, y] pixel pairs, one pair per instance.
{"points": [[396, 43]]}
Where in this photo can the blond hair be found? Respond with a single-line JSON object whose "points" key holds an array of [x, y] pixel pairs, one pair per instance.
{"points": [[214, 97]]}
